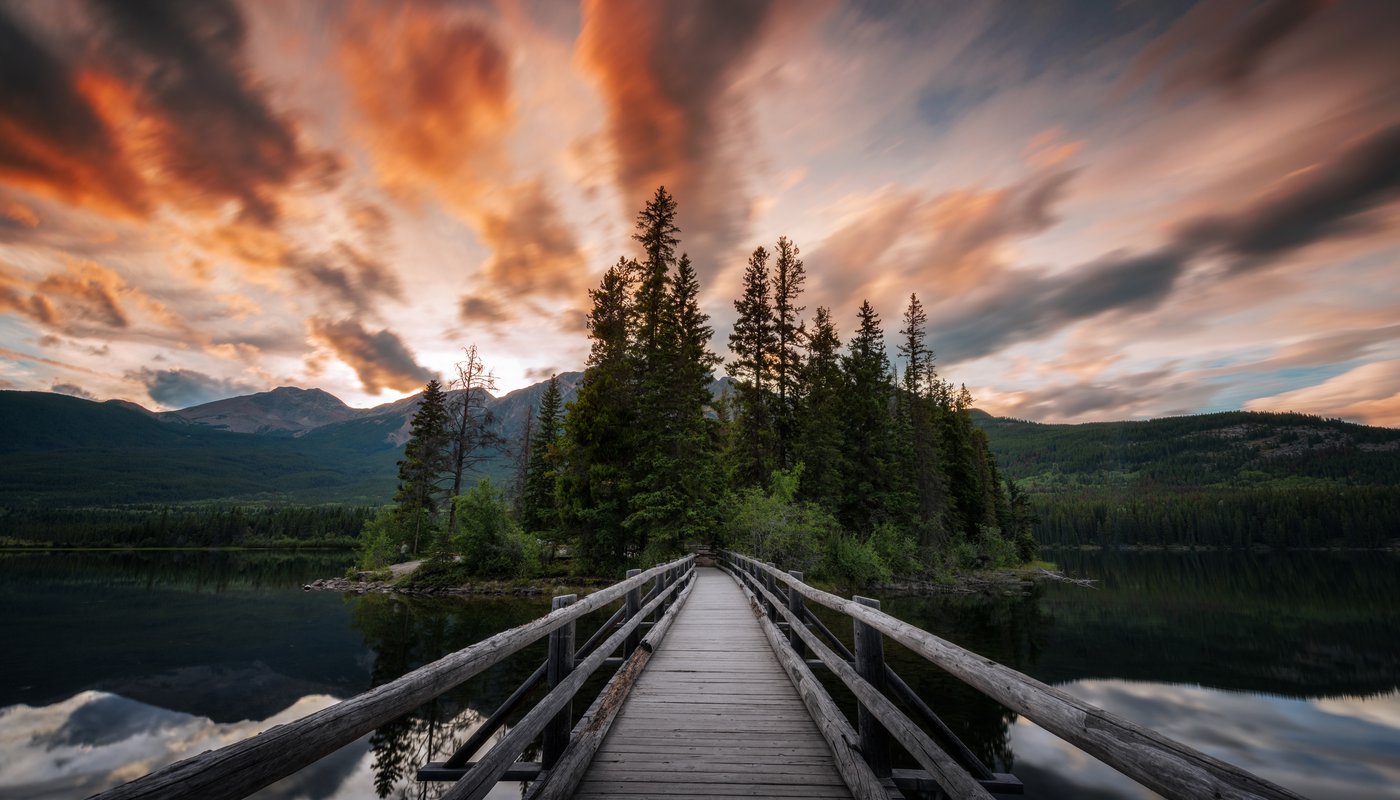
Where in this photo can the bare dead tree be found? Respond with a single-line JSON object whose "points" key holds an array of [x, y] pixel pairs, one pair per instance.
{"points": [[472, 437]]}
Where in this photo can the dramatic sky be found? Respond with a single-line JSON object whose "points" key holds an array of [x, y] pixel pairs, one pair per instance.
{"points": [[1110, 209]]}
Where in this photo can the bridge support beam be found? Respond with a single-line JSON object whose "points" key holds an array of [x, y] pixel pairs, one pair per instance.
{"points": [[799, 613], [633, 605], [560, 664], [870, 665]]}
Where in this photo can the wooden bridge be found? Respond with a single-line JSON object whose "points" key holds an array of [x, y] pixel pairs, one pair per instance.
{"points": [[717, 698]]}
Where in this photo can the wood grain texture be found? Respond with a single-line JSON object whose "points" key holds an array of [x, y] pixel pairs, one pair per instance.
{"points": [[242, 768], [714, 715], [942, 769], [1168, 767], [588, 735]]}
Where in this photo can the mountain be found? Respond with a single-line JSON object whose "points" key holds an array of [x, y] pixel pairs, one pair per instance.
{"points": [[305, 446], [1225, 450], [286, 445], [286, 409]]}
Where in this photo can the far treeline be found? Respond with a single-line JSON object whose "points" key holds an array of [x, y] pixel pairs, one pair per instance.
{"points": [[183, 526], [826, 458], [1230, 479]]}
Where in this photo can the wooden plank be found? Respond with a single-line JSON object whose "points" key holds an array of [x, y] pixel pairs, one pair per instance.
{"points": [[830, 721], [490, 767], [1168, 767], [943, 769], [561, 781], [589, 789], [244, 767], [714, 715]]}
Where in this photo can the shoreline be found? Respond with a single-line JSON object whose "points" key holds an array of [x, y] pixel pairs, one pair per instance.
{"points": [[1010, 581]]}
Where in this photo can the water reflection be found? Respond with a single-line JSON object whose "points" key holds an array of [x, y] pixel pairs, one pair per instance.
{"points": [[1284, 664], [1340, 747], [94, 740]]}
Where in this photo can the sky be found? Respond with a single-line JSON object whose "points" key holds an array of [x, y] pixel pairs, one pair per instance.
{"points": [[1110, 210]]}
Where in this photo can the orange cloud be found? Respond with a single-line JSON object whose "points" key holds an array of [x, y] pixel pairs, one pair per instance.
{"points": [[1047, 148], [82, 299], [380, 359], [155, 106], [52, 140], [1369, 393], [535, 252], [667, 73], [435, 98], [20, 213]]}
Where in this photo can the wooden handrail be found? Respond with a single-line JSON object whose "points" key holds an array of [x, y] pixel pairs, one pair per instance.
{"points": [[1168, 767], [244, 767], [942, 768], [481, 778]]}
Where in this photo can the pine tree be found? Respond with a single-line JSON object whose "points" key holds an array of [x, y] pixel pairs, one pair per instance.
{"points": [[676, 485], [788, 276], [753, 343], [820, 444], [594, 488], [866, 484], [656, 232], [919, 439], [538, 513], [637, 455], [423, 465]]}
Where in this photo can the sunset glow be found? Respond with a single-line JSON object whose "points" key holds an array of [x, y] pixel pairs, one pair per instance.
{"points": [[1110, 211]]}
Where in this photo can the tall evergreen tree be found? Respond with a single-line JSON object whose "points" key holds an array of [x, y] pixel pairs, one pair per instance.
{"points": [[594, 487], [676, 483], [867, 482], [423, 465], [918, 436], [789, 275], [820, 444], [656, 233], [753, 344], [538, 513]]}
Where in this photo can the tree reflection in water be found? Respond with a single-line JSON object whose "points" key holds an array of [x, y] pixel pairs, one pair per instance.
{"points": [[406, 632]]}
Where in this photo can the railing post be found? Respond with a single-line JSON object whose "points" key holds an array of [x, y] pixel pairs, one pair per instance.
{"points": [[662, 581], [799, 611], [561, 663], [634, 607], [771, 585], [870, 664]]}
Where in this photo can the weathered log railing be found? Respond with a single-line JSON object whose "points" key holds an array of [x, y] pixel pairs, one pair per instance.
{"points": [[244, 767], [1165, 766]]}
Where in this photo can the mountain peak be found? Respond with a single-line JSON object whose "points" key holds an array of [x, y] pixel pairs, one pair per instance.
{"points": [[286, 409]]}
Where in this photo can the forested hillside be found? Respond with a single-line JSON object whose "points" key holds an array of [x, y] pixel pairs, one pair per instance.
{"points": [[1231, 479], [827, 456]]}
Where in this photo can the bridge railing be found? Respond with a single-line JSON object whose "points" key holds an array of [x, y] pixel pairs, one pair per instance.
{"points": [[244, 767], [1169, 768]]}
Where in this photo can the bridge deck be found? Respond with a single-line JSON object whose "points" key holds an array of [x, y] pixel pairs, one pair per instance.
{"points": [[713, 715]]}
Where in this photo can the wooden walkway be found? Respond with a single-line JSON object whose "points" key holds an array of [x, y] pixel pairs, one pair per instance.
{"points": [[713, 715]]}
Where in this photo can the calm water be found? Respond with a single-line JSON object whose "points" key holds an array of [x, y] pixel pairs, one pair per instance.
{"points": [[117, 663]]}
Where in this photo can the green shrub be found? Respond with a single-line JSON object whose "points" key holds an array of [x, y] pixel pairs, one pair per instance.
{"points": [[964, 555], [1027, 548], [852, 563], [897, 549], [379, 540], [999, 552], [439, 573], [489, 541], [775, 527]]}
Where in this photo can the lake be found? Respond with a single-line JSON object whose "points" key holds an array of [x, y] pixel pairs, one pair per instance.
{"points": [[1286, 664]]}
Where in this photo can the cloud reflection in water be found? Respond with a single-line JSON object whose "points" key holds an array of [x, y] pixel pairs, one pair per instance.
{"points": [[96, 740], [1334, 747]]}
